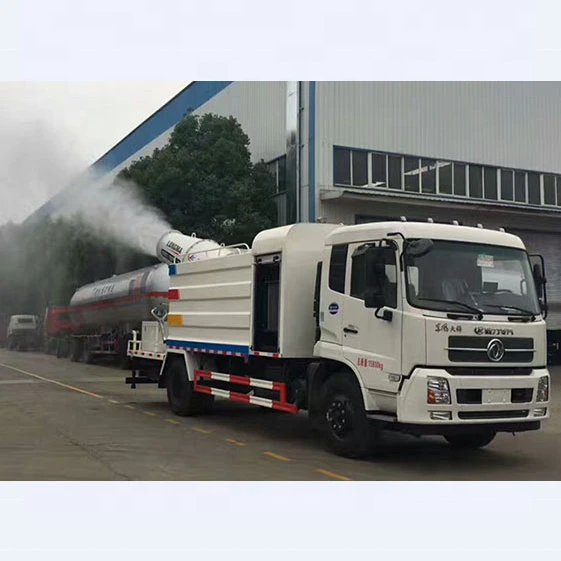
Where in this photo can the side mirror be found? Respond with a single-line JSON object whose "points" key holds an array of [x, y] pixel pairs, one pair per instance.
{"points": [[538, 272], [538, 275], [418, 248], [374, 300]]}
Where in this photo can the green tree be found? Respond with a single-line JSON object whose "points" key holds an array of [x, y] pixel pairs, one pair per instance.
{"points": [[204, 181]]}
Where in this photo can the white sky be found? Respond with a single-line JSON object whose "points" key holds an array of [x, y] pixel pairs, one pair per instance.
{"points": [[50, 131], [99, 50]]}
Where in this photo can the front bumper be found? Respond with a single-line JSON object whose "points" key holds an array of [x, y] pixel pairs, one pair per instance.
{"points": [[469, 402]]}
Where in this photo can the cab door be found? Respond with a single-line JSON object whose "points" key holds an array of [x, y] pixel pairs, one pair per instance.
{"points": [[372, 315]]}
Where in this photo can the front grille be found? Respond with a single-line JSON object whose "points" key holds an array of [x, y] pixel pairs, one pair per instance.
{"points": [[488, 371], [474, 349], [474, 396], [516, 414]]}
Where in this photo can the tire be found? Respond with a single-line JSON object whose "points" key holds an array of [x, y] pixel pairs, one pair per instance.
{"points": [[87, 357], [342, 418], [470, 440], [183, 401], [76, 350], [59, 348], [124, 361]]}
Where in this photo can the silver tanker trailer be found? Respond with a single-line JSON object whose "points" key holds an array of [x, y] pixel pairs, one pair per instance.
{"points": [[104, 313]]}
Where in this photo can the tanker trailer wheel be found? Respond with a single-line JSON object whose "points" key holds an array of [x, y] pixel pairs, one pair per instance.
{"points": [[87, 356], [183, 401], [342, 418], [124, 360], [471, 440], [76, 350]]}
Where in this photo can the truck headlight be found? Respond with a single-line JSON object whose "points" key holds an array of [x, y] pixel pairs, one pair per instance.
{"points": [[438, 391], [543, 389]]}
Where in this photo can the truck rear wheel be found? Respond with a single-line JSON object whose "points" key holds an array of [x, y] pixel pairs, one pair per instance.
{"points": [[182, 399], [76, 350], [342, 418], [470, 440]]}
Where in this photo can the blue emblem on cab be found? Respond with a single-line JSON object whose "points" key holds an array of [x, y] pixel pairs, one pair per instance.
{"points": [[333, 308]]}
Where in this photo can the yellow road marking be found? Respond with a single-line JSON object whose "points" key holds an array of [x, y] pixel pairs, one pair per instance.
{"points": [[57, 383], [113, 401], [204, 431], [233, 441], [130, 406], [151, 414], [173, 421], [277, 456], [333, 475]]}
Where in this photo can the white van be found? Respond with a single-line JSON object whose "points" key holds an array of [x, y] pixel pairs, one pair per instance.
{"points": [[22, 332]]}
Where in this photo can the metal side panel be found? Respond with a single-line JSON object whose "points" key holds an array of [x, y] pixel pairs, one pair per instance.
{"points": [[212, 301]]}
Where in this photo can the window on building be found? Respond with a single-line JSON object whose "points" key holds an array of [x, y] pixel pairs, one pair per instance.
{"points": [[338, 267], [549, 189], [507, 185], [428, 176], [342, 166], [475, 182], [360, 168], [379, 170], [417, 174], [394, 169], [490, 177], [411, 174], [520, 187], [460, 179], [445, 178], [534, 189]]}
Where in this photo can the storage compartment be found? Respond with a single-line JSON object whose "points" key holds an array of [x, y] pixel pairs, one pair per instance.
{"points": [[267, 304]]}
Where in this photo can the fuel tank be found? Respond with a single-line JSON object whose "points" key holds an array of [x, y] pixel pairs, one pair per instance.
{"points": [[121, 299]]}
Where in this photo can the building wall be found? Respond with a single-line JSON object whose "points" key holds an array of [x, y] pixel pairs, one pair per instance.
{"points": [[498, 141], [508, 124]]}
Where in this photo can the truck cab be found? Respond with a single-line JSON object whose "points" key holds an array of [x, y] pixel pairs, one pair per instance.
{"points": [[442, 325]]}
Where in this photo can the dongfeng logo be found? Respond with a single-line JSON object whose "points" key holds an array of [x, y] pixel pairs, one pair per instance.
{"points": [[495, 350]]}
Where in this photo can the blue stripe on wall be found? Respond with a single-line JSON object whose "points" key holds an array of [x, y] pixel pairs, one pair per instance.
{"points": [[186, 101], [312, 153]]}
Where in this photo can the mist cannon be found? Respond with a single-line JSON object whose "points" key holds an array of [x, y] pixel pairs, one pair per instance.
{"points": [[175, 247]]}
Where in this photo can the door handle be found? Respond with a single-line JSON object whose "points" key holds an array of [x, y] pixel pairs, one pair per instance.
{"points": [[350, 329]]}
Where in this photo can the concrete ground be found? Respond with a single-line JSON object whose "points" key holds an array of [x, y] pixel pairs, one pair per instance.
{"points": [[66, 421]]}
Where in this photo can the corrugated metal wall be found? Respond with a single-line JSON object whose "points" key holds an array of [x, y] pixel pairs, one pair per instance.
{"points": [[260, 107], [512, 124]]}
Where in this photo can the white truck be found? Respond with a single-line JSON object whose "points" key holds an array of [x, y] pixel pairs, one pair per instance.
{"points": [[416, 327], [23, 333]]}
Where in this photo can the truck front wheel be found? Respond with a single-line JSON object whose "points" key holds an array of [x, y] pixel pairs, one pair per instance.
{"points": [[182, 399], [470, 440], [342, 418]]}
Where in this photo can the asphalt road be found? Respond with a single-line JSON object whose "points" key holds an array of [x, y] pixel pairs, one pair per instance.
{"points": [[66, 421]]}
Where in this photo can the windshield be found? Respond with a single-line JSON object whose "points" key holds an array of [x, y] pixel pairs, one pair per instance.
{"points": [[472, 278]]}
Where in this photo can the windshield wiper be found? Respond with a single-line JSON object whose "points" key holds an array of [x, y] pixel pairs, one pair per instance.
{"points": [[515, 308], [469, 307]]}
